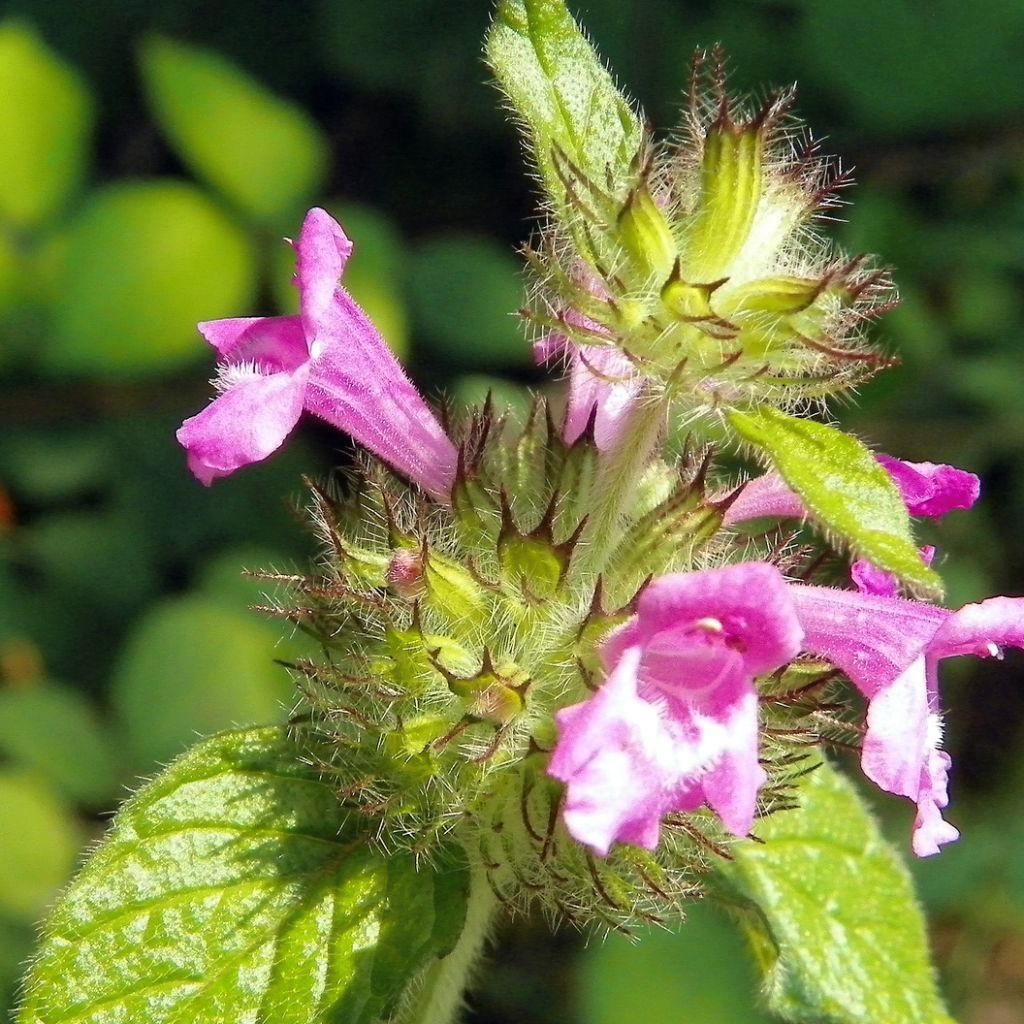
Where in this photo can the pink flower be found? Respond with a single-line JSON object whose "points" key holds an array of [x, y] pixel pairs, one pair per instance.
{"points": [[674, 725], [927, 490], [329, 360], [931, 490], [890, 649], [603, 384], [869, 579]]}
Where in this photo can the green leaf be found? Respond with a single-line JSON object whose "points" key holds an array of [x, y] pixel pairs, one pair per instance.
{"points": [[193, 666], [60, 464], [11, 271], [16, 942], [886, 78], [55, 731], [261, 152], [233, 888], [832, 915], [45, 122], [562, 93], [843, 487], [144, 263], [39, 843]]}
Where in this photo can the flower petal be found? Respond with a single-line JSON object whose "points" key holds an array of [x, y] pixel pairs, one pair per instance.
{"points": [[981, 629], [244, 425], [872, 639], [931, 830], [751, 601], [272, 343], [901, 753], [896, 744], [869, 579], [764, 496], [613, 754], [322, 251], [723, 736], [929, 489], [603, 384], [357, 384]]}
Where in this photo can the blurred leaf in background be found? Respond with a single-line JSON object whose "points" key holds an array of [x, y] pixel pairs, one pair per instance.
{"points": [[703, 973], [144, 262], [263, 154], [46, 121]]}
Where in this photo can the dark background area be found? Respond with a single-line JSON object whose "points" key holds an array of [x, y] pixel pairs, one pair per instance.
{"points": [[124, 622]]}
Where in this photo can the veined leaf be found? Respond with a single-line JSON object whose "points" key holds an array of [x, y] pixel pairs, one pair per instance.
{"points": [[831, 914], [234, 888], [844, 488]]}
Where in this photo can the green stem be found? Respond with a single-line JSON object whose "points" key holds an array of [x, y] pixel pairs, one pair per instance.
{"points": [[436, 997], [614, 489]]}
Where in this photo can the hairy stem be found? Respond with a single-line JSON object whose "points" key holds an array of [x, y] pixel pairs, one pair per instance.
{"points": [[615, 487], [436, 996]]}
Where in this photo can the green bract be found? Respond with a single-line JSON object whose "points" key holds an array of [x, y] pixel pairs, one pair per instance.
{"points": [[565, 98], [451, 636], [843, 487], [703, 262]]}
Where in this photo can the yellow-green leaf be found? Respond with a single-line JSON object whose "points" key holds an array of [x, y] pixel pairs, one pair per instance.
{"points": [[144, 263], [46, 120], [263, 153], [843, 487], [39, 842]]}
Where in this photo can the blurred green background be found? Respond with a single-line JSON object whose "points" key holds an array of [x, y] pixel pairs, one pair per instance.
{"points": [[152, 158]]}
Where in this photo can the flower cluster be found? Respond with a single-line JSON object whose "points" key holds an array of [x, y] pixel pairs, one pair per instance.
{"points": [[540, 635]]}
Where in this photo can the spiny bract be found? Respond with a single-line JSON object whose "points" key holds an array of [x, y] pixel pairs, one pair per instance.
{"points": [[452, 635]]}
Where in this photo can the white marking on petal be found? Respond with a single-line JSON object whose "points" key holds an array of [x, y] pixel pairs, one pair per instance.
{"points": [[230, 375], [709, 625]]}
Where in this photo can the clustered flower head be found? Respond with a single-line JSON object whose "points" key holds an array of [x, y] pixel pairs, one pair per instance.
{"points": [[561, 640]]}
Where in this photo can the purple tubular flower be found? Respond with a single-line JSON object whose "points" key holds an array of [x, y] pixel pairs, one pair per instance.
{"points": [[330, 361], [602, 385], [767, 495], [929, 489], [869, 579], [890, 649], [674, 726]]}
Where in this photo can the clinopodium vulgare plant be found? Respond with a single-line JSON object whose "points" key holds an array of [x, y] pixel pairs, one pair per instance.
{"points": [[571, 659]]}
